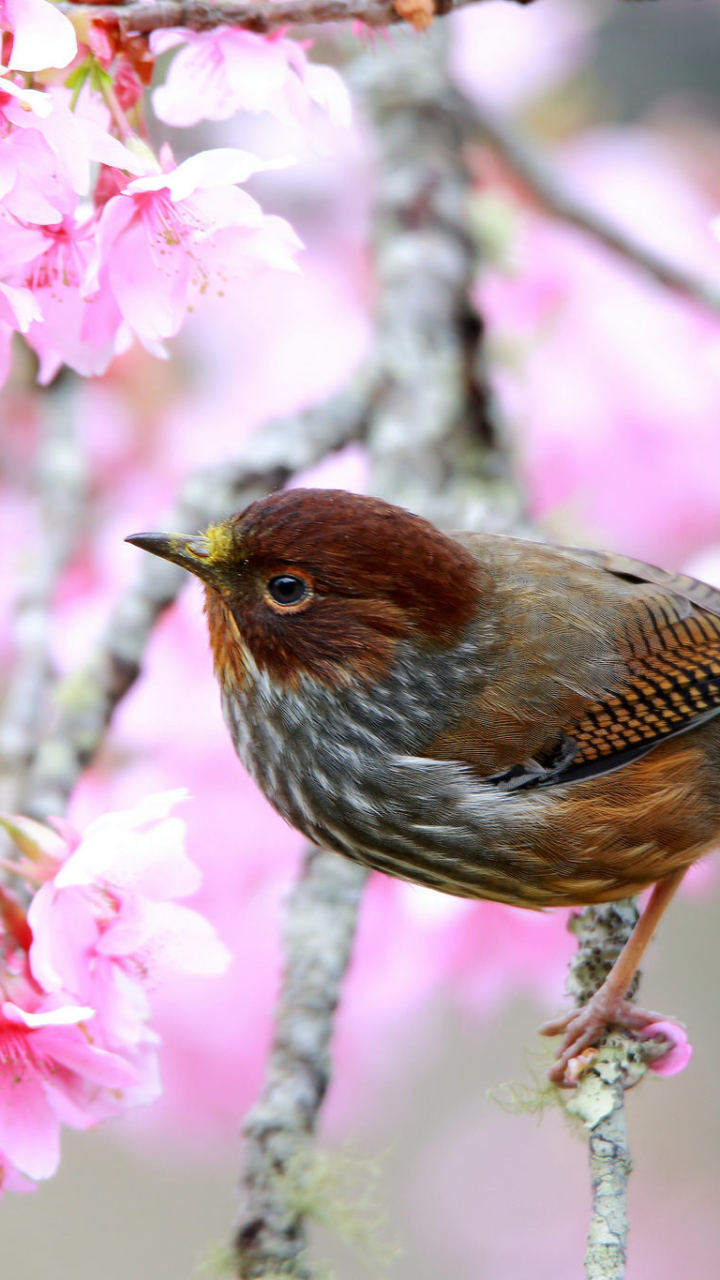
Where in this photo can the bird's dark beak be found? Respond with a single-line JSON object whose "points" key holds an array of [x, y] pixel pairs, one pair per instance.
{"points": [[191, 553]]}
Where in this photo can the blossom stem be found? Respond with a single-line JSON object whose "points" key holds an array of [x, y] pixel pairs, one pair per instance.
{"points": [[122, 124]]}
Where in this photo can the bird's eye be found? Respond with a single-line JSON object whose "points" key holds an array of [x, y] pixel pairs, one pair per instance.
{"points": [[287, 589]]}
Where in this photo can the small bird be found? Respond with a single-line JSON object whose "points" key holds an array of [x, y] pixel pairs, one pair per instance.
{"points": [[495, 718]]}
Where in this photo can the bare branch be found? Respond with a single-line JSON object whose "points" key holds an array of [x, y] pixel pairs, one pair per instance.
{"points": [[621, 1062], [85, 701], [143, 16], [522, 156]]}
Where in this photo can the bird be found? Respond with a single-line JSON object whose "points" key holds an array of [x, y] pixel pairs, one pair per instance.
{"points": [[492, 717]]}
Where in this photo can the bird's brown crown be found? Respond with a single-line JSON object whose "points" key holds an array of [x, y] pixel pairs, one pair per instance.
{"points": [[326, 583]]}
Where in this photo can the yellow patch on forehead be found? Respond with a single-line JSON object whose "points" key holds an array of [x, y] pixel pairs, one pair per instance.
{"points": [[219, 541]]}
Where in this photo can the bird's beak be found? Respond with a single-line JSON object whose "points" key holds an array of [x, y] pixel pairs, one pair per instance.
{"points": [[191, 553]]}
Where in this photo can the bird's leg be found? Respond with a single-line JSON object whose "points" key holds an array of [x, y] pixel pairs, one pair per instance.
{"points": [[608, 1007]]}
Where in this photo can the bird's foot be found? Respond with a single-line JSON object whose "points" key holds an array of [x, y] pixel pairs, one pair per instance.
{"points": [[583, 1028]]}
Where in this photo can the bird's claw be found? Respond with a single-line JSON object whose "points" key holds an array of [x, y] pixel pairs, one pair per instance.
{"points": [[582, 1028]]}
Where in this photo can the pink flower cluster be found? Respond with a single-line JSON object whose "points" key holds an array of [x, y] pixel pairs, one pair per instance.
{"points": [[76, 1045], [101, 241], [218, 73]]}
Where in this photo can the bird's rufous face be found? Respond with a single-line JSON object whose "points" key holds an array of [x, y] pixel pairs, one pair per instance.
{"points": [[326, 584]]}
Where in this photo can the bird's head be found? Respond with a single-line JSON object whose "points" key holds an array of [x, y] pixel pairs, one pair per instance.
{"points": [[324, 583]]}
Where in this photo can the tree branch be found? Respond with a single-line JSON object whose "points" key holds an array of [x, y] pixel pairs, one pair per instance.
{"points": [[144, 16], [598, 1101], [317, 941], [522, 156]]}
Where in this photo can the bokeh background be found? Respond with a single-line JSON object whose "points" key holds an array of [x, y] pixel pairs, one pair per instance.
{"points": [[610, 388]]}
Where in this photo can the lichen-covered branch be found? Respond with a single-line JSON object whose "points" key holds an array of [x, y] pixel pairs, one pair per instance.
{"points": [[610, 1168], [598, 1101], [527, 162], [85, 701], [317, 941], [435, 438]]}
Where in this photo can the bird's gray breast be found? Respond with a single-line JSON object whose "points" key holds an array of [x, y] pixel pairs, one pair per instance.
{"points": [[323, 756], [347, 767]]}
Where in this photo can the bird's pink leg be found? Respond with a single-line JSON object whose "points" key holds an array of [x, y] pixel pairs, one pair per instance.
{"points": [[608, 1007]]}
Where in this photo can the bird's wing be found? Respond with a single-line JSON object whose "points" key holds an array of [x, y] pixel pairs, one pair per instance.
{"points": [[668, 635], [628, 570]]}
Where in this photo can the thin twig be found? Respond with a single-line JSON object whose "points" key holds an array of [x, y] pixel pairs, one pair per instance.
{"points": [[527, 162], [86, 700], [143, 16]]}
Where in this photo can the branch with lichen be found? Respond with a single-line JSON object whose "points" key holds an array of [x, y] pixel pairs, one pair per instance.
{"points": [[618, 1063], [317, 942]]}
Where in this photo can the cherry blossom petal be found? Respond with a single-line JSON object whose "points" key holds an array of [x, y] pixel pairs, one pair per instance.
{"points": [[20, 308], [219, 167], [168, 936], [20, 245], [150, 861], [30, 187], [64, 934], [327, 88], [77, 142], [29, 1128], [43, 36], [69, 1047], [217, 74], [40, 103], [62, 1016]]}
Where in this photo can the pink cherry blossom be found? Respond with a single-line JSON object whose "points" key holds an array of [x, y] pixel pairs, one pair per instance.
{"points": [[42, 36], [50, 1071], [105, 916], [170, 237], [75, 141], [81, 331], [218, 73], [100, 924]]}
